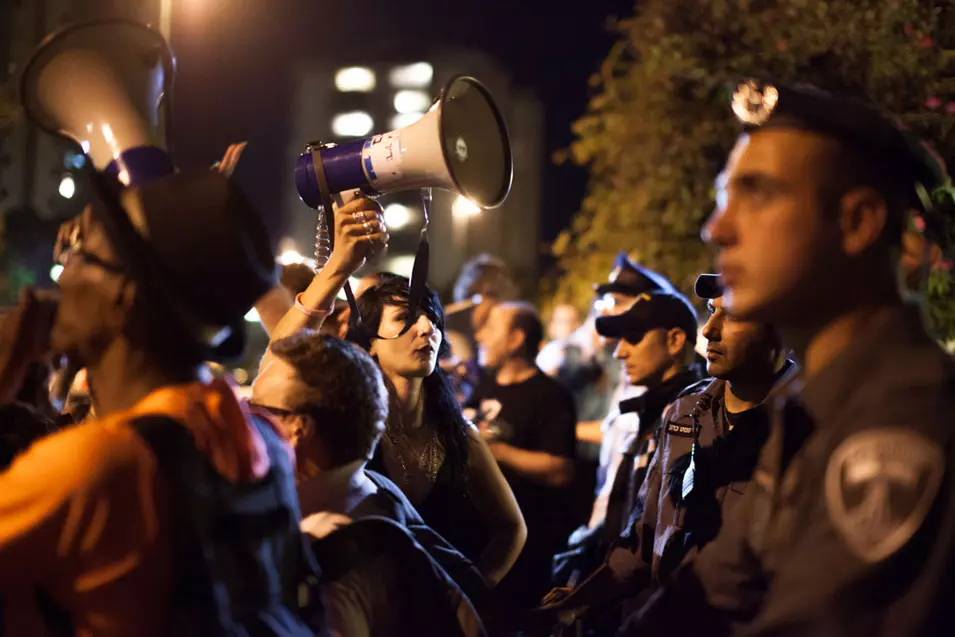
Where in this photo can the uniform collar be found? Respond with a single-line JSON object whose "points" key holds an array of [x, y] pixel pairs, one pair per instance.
{"points": [[825, 394]]}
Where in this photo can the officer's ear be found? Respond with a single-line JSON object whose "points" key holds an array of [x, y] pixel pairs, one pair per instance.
{"points": [[676, 340], [863, 215]]}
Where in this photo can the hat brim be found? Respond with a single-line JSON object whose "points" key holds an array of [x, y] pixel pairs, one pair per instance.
{"points": [[618, 327], [708, 286], [615, 288]]}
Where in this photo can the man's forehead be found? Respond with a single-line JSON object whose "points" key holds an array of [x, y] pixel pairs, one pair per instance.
{"points": [[777, 153]]}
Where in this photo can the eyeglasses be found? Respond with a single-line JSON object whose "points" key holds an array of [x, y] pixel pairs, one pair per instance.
{"points": [[70, 243], [277, 412]]}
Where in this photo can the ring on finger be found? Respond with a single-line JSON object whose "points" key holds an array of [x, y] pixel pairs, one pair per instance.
{"points": [[368, 227]]}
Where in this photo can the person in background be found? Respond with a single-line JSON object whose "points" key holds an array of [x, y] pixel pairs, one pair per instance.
{"points": [[437, 458], [330, 397], [627, 281], [483, 282], [528, 419], [578, 358]]}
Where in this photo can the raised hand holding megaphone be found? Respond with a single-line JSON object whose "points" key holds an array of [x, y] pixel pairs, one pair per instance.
{"points": [[460, 144]]}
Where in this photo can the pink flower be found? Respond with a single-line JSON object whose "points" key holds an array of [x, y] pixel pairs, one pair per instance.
{"points": [[933, 103], [926, 42], [944, 265], [919, 223]]}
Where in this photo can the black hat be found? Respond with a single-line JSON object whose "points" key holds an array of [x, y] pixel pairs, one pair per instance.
{"points": [[708, 286], [631, 279], [197, 248], [651, 311], [858, 124]]}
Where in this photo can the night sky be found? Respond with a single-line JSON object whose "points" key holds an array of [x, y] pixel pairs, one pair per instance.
{"points": [[235, 58]]}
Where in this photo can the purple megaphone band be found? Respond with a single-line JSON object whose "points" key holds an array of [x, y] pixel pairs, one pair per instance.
{"points": [[345, 169], [141, 164]]}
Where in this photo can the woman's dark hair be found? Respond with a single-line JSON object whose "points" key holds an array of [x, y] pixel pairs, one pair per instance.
{"points": [[441, 409]]}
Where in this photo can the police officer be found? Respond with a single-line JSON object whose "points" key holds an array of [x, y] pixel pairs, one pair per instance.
{"points": [[849, 528], [588, 544], [655, 344], [709, 440]]}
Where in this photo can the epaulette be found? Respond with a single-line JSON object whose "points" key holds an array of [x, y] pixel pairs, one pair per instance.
{"points": [[695, 388]]}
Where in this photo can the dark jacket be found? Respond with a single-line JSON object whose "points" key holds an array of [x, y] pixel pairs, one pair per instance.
{"points": [[849, 525]]}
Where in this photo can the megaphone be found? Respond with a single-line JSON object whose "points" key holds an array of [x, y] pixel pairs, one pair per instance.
{"points": [[107, 86], [460, 144]]}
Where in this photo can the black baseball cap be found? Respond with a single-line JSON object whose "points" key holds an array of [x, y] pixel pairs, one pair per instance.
{"points": [[631, 279], [708, 286], [651, 311]]}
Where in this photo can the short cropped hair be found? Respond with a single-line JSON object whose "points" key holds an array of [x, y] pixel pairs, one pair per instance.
{"points": [[296, 277], [344, 393], [526, 319]]}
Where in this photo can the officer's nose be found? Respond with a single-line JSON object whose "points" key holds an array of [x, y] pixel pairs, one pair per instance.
{"points": [[620, 351], [711, 329]]}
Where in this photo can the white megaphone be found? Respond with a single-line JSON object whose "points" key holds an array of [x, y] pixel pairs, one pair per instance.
{"points": [[107, 86], [460, 144]]}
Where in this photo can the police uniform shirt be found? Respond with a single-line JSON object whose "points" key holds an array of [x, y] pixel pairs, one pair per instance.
{"points": [[667, 527], [851, 514]]}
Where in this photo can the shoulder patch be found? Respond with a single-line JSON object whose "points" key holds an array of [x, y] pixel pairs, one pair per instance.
{"points": [[880, 486], [680, 429]]}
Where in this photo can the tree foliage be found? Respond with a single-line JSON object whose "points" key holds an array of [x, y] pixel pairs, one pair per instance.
{"points": [[658, 126]]}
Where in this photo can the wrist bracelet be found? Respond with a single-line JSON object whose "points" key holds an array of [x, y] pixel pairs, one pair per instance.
{"points": [[311, 313]]}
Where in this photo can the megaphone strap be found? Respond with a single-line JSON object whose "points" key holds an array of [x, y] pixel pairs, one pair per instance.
{"points": [[318, 166]]}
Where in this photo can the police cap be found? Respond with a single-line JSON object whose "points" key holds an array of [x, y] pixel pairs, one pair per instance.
{"points": [[653, 310], [708, 286], [631, 279], [858, 124]]}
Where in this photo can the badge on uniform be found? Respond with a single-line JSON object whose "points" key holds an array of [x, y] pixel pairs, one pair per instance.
{"points": [[689, 476], [880, 486]]}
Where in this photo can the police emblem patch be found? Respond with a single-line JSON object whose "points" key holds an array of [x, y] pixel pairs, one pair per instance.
{"points": [[880, 485]]}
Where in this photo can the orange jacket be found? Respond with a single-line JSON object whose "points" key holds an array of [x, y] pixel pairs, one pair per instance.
{"points": [[83, 513]]}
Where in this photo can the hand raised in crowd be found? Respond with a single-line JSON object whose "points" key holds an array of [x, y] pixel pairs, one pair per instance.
{"points": [[360, 234], [24, 339]]}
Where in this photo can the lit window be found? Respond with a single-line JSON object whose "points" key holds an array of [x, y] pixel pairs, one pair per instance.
{"points": [[412, 101], [353, 124], [464, 207], [397, 216], [67, 187], [417, 75], [355, 79], [403, 119]]}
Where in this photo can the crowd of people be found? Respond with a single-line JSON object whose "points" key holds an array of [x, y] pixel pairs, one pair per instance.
{"points": [[778, 466]]}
